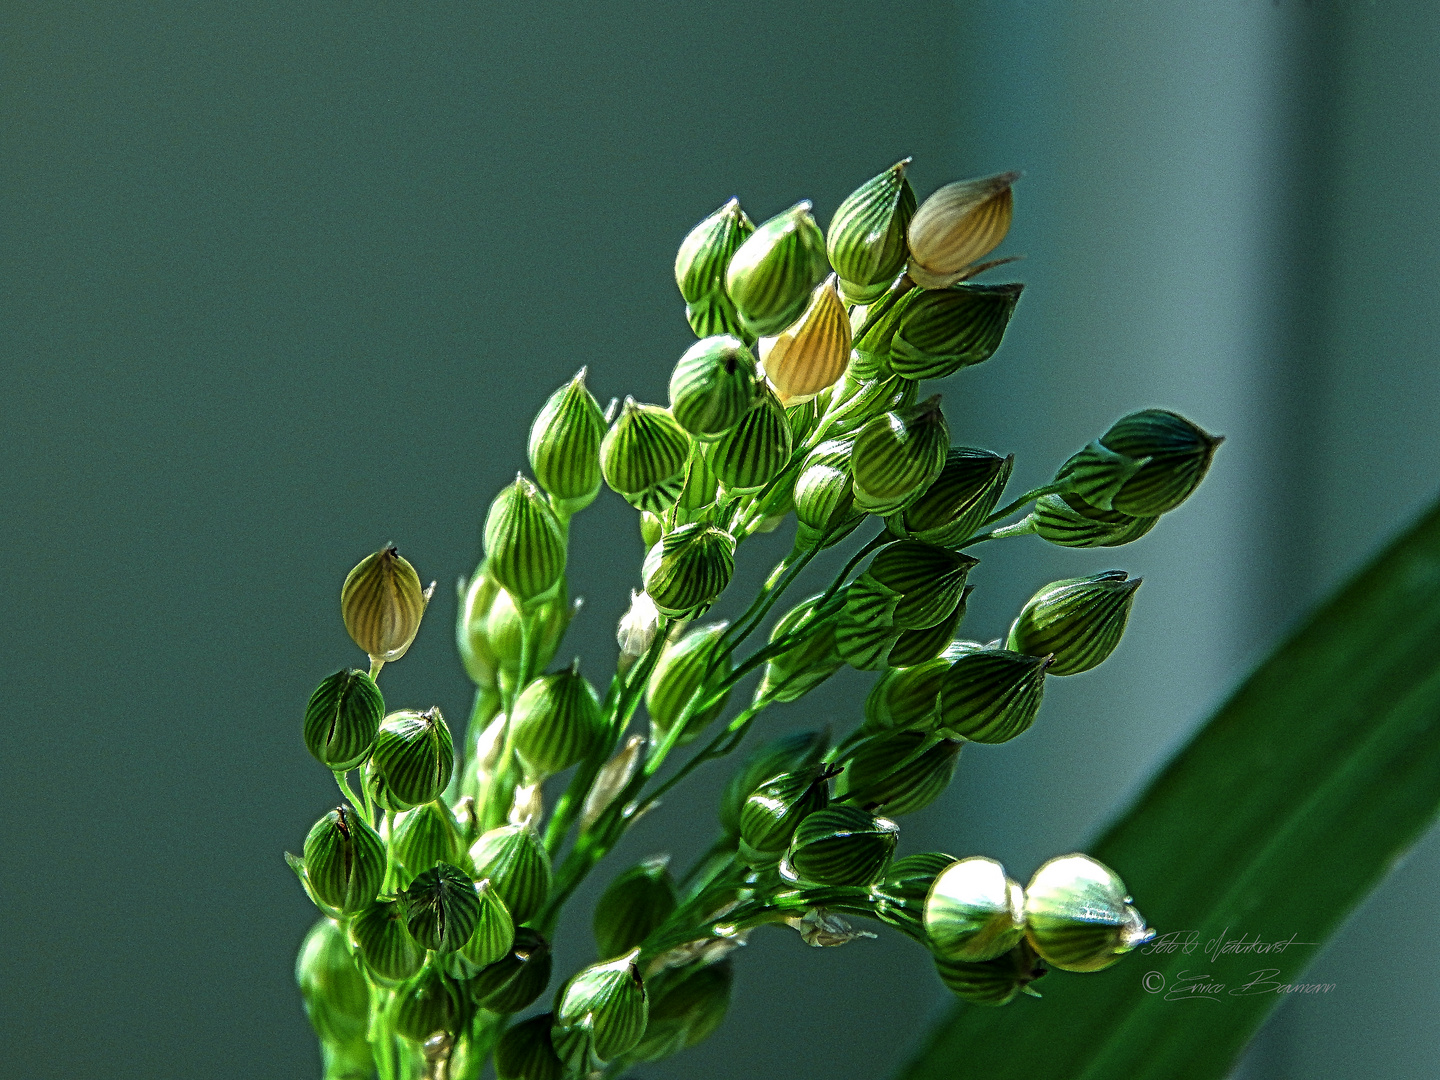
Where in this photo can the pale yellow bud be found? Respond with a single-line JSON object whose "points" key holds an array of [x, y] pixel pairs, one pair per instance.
{"points": [[612, 779], [957, 225], [527, 805], [810, 354]]}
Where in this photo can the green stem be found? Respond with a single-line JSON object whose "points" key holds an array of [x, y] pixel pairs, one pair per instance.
{"points": [[1010, 508], [362, 806], [1023, 527], [780, 579]]}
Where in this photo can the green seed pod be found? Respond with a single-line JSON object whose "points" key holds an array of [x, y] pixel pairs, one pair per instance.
{"points": [[412, 760], [426, 1004], [390, 954], [956, 225], [557, 721], [688, 569], [771, 276], [749, 455], [344, 860], [866, 241], [776, 807], [700, 267], [786, 753], [898, 455], [382, 602], [1147, 464], [713, 386], [900, 774], [676, 679], [899, 897], [525, 1051], [955, 506], [685, 1010], [441, 908], [813, 659], [515, 980], [944, 330], [1078, 916], [929, 580], [634, 904], [1068, 521], [974, 912], [515, 862], [908, 697], [917, 646], [1078, 621], [991, 695], [644, 449], [992, 982], [494, 932], [426, 836], [870, 359], [612, 995], [342, 719], [524, 543], [565, 445], [333, 988], [810, 354], [824, 499], [841, 845]]}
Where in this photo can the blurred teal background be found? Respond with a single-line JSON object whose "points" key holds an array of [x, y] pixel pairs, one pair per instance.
{"points": [[282, 282]]}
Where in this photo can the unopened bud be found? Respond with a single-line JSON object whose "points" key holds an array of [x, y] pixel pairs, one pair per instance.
{"points": [[787, 753], [634, 904], [333, 988], [713, 386], [1078, 915], [493, 936], [565, 445], [425, 837], [677, 679], [519, 977], [428, 1004], [956, 225], [955, 505], [813, 658], [342, 719], [810, 354], [643, 456], [557, 721], [909, 585], [898, 455], [771, 276], [841, 845], [514, 860], [750, 454], [441, 907], [919, 645], [900, 774], [689, 568], [777, 807], [344, 861], [866, 242], [941, 331], [390, 954], [382, 603], [992, 982], [700, 267], [1078, 621], [974, 911], [524, 542], [1147, 464], [991, 695], [611, 996], [1069, 521], [525, 1052], [685, 1010], [824, 498], [413, 758]]}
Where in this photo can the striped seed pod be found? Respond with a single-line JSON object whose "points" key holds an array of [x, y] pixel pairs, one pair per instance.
{"points": [[917, 646], [390, 954], [898, 455], [956, 225], [750, 454], [866, 240], [412, 761], [644, 450], [686, 1008], [634, 904], [342, 719], [689, 568], [1069, 521], [943, 330], [954, 507], [494, 932], [841, 845], [991, 695], [992, 982], [441, 908], [802, 418], [974, 911], [810, 354], [344, 860], [771, 276], [1078, 915], [525, 1051], [565, 446], [786, 753], [908, 697], [899, 774], [519, 977], [524, 542], [515, 862], [426, 1004], [382, 602], [900, 895], [870, 348], [557, 721], [928, 578], [813, 658], [612, 996], [1078, 621], [776, 807], [824, 499], [1148, 463], [700, 267], [332, 987], [676, 679], [425, 837], [713, 386]]}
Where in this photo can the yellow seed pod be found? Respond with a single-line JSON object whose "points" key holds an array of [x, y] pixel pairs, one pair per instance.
{"points": [[809, 355], [956, 225], [382, 602]]}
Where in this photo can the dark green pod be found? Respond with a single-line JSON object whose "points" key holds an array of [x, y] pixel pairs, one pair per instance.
{"points": [[865, 630], [866, 240], [519, 977], [1078, 621], [841, 845], [944, 330], [900, 773], [426, 1004], [787, 753], [557, 721], [974, 911], [752, 453], [677, 677], [775, 808], [1070, 522], [412, 760], [342, 719], [1078, 915], [897, 455], [908, 697], [426, 836], [1148, 463], [955, 506], [824, 499], [771, 276], [917, 646], [344, 860], [441, 908], [644, 449], [565, 445], [634, 904], [929, 579], [382, 602], [992, 982], [494, 933], [991, 695], [689, 568], [713, 386], [524, 542], [515, 862], [700, 267], [390, 954], [908, 880], [687, 1008], [813, 658], [525, 1051], [611, 995], [336, 997]]}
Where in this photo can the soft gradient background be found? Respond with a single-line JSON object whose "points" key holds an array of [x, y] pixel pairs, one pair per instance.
{"points": [[285, 281]]}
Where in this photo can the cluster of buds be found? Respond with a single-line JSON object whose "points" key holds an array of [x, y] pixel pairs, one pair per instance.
{"points": [[441, 883]]}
